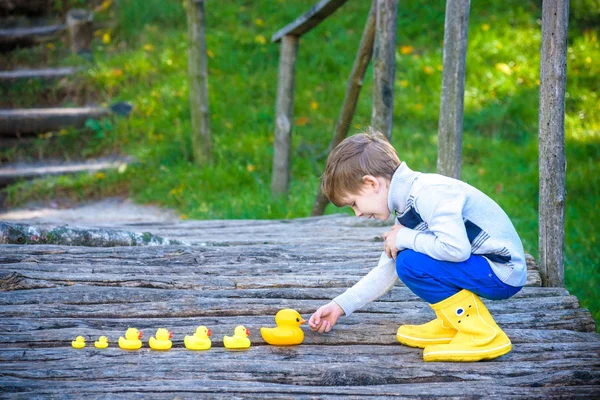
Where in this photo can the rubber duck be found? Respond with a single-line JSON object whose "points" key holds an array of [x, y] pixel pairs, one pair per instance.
{"points": [[239, 340], [131, 341], [101, 343], [79, 342], [288, 330], [162, 341], [200, 340]]}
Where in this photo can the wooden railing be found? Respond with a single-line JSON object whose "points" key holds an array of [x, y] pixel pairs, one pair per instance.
{"points": [[378, 39]]}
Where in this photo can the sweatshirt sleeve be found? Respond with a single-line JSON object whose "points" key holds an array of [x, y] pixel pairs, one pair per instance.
{"points": [[371, 287], [441, 207]]}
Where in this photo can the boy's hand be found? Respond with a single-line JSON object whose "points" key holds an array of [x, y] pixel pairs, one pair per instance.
{"points": [[325, 317], [389, 238]]}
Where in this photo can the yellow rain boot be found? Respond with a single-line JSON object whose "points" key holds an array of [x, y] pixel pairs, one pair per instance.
{"points": [[478, 337], [433, 332]]}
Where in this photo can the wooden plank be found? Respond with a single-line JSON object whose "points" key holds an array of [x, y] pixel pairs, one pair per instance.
{"points": [[384, 66], [353, 87], [41, 73], [308, 20], [35, 120], [224, 281], [456, 29], [366, 328], [282, 147], [10, 173], [179, 306], [552, 160], [223, 389], [29, 34]]}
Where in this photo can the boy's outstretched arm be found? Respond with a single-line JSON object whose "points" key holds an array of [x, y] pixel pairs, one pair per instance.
{"points": [[371, 287], [325, 317]]}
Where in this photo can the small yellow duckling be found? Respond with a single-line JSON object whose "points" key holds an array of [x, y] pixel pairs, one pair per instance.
{"points": [[239, 340], [101, 343], [162, 341], [79, 342], [200, 340], [288, 330], [131, 341]]}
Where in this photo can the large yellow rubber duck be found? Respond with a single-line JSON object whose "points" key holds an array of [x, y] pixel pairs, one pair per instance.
{"points": [[239, 340], [288, 330], [162, 341], [131, 341], [199, 340], [101, 343], [79, 342]]}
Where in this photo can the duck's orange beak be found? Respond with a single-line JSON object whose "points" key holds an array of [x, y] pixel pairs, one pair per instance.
{"points": [[170, 335], [209, 333], [302, 321], [140, 334], [247, 332]]}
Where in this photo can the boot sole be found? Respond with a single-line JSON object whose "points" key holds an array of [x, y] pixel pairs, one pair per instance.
{"points": [[420, 342], [468, 355]]}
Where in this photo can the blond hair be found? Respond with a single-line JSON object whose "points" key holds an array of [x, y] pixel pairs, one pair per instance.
{"points": [[367, 153]]}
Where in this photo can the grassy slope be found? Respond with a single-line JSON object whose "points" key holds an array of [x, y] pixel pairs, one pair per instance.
{"points": [[145, 62]]}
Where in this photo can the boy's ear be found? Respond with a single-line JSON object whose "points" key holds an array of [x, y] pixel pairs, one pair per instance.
{"points": [[371, 181]]}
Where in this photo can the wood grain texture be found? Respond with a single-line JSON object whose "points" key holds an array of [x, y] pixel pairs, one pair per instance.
{"points": [[243, 272]]}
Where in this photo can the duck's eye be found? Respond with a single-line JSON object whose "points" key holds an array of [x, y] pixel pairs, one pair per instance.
{"points": [[297, 319]]}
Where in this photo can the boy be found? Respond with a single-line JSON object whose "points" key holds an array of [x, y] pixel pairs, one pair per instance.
{"points": [[450, 244]]}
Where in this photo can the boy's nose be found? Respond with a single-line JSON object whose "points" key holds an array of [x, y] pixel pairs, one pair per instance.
{"points": [[356, 212]]}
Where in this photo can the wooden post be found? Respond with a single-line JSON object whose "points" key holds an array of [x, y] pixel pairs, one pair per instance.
{"points": [[198, 76], [79, 23], [384, 66], [552, 160], [456, 29], [280, 180], [353, 87]]}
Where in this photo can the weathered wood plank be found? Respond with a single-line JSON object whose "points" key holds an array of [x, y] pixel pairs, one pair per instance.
{"points": [[289, 366], [308, 20], [219, 389], [80, 294], [361, 328], [228, 281], [200, 305], [25, 121], [71, 236], [42, 73]]}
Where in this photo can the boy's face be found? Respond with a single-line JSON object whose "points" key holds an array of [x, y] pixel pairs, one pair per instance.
{"points": [[372, 200]]}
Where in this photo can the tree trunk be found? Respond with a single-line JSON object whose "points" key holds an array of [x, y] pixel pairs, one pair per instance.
{"points": [[552, 160], [353, 87], [384, 66], [198, 75], [280, 181], [456, 29]]}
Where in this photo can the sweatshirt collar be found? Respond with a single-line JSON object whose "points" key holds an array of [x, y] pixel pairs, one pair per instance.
{"points": [[400, 185]]}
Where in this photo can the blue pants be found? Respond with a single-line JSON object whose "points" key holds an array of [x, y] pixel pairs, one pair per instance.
{"points": [[433, 280]]}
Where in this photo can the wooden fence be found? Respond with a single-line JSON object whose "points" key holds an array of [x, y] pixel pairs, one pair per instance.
{"points": [[378, 41]]}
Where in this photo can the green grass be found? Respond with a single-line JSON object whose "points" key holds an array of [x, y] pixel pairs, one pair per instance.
{"points": [[145, 63]]}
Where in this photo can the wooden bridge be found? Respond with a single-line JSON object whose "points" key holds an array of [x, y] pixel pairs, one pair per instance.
{"points": [[242, 272]]}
